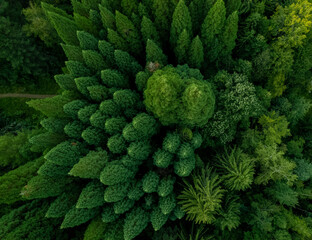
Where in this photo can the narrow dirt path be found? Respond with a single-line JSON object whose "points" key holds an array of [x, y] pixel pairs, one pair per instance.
{"points": [[24, 95]]}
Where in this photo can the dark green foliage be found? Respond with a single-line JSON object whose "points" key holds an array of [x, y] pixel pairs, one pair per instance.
{"points": [[65, 27], [66, 153], [196, 53], [91, 165], [115, 193], [95, 230], [165, 186], [135, 222], [13, 181], [162, 158], [115, 173], [150, 182], [154, 53], [158, 219], [77, 216], [112, 78], [62, 204], [51, 107], [29, 223], [126, 63], [149, 31], [94, 191], [127, 126]]}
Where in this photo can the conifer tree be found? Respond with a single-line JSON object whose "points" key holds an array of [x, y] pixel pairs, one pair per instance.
{"points": [[213, 24], [230, 33], [182, 47], [128, 31], [196, 53], [149, 31], [181, 20], [154, 53], [66, 28], [91, 165]]}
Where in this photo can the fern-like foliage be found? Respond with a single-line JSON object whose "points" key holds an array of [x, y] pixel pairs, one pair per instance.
{"points": [[237, 168], [202, 196]]}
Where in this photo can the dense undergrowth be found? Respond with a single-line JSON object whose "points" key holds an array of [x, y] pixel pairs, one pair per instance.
{"points": [[173, 119]]}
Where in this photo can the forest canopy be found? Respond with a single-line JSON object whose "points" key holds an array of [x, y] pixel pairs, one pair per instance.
{"points": [[156, 119]]}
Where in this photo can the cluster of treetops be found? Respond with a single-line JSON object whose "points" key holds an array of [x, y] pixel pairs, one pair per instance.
{"points": [[171, 120]]}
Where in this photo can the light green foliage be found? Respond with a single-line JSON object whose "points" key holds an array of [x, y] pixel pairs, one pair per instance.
{"points": [[91, 165], [290, 24], [229, 215], [85, 24], [77, 216], [38, 24], [201, 199], [91, 196], [154, 53], [196, 53], [150, 182], [181, 20], [175, 100], [238, 169], [135, 222], [13, 181], [115, 173]]}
